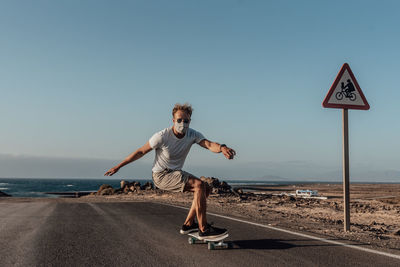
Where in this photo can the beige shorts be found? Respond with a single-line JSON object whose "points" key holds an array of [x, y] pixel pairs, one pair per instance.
{"points": [[171, 180]]}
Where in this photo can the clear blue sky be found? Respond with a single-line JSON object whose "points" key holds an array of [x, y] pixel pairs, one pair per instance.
{"points": [[90, 81]]}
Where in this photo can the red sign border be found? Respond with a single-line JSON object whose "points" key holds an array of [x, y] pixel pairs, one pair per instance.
{"points": [[325, 104]]}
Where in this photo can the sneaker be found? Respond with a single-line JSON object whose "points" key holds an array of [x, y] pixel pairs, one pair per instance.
{"points": [[188, 229], [212, 232]]}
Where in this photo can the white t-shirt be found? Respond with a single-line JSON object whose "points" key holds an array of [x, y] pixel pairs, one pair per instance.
{"points": [[171, 151]]}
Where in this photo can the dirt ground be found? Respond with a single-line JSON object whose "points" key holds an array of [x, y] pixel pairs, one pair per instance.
{"points": [[375, 209]]}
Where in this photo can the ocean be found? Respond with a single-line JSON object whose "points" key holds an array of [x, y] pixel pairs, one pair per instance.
{"points": [[30, 187]]}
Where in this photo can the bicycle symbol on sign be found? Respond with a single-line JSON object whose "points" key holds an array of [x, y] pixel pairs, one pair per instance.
{"points": [[347, 91]]}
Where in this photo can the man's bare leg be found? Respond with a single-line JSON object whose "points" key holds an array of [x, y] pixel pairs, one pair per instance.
{"points": [[192, 212], [199, 204]]}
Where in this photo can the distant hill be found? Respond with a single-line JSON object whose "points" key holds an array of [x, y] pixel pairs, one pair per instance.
{"points": [[366, 176]]}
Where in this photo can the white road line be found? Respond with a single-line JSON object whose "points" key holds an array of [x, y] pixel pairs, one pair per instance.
{"points": [[298, 234]]}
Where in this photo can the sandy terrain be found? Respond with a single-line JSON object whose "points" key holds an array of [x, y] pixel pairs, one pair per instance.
{"points": [[375, 209]]}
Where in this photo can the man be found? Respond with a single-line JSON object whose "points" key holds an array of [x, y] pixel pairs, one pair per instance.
{"points": [[172, 145], [349, 87]]}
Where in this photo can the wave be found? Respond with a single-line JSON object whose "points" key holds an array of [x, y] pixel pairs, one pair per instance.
{"points": [[3, 188], [3, 184], [68, 185]]}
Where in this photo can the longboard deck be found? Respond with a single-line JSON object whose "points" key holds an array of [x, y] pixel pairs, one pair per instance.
{"points": [[215, 239]]}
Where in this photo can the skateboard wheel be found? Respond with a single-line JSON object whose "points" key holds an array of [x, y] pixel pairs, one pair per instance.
{"points": [[210, 246], [191, 240]]}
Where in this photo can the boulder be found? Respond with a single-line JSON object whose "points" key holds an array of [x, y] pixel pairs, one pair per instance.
{"points": [[216, 186], [239, 190], [105, 189], [211, 181], [147, 186], [132, 188], [215, 190], [224, 186], [135, 184], [126, 188], [118, 191]]}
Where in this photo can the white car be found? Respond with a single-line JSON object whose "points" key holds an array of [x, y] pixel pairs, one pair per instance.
{"points": [[307, 193]]}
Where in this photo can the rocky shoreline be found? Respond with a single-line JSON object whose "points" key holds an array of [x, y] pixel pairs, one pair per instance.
{"points": [[129, 188]]}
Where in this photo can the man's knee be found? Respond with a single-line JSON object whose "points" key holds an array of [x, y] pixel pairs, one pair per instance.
{"points": [[197, 185], [200, 186], [194, 184]]}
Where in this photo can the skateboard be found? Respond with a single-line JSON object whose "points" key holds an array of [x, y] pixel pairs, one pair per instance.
{"points": [[213, 243]]}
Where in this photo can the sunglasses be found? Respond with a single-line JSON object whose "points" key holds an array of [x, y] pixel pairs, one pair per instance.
{"points": [[184, 120]]}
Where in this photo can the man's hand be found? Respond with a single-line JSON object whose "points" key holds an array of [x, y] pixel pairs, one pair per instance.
{"points": [[229, 153], [111, 171]]}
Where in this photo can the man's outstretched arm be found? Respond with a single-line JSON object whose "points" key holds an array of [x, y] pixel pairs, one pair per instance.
{"points": [[228, 152], [132, 157]]}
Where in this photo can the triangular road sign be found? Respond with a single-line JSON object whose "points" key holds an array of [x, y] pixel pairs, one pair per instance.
{"points": [[345, 92]]}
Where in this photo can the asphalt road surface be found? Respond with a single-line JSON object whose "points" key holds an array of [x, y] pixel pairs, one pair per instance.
{"points": [[147, 234]]}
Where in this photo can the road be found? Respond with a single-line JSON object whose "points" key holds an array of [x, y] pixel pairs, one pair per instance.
{"points": [[50, 233]]}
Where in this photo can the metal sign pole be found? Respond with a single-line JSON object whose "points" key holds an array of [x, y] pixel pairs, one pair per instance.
{"points": [[346, 171], [349, 96]]}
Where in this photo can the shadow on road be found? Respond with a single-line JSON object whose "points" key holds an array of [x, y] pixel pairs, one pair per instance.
{"points": [[260, 244], [269, 244]]}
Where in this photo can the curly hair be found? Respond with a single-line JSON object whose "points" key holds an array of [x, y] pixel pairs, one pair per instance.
{"points": [[185, 107]]}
